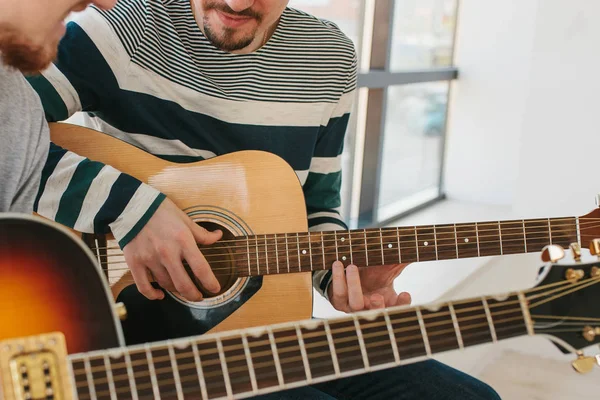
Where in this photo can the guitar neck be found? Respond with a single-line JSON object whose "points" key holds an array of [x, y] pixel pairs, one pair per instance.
{"points": [[313, 251], [260, 360]]}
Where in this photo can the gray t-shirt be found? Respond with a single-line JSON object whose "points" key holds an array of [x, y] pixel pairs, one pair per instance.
{"points": [[24, 141]]}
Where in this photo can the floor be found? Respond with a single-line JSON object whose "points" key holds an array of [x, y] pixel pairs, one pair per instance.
{"points": [[527, 368]]}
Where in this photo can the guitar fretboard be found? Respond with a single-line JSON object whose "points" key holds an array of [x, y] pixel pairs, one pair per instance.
{"points": [[311, 251], [261, 360]]}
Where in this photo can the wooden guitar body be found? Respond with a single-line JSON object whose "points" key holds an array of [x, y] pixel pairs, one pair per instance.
{"points": [[49, 281], [246, 193]]}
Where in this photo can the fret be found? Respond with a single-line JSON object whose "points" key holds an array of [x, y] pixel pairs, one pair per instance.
{"points": [[379, 342], [199, 372], [424, 332], [477, 238], [130, 374], [248, 254], [263, 360], [304, 257], [298, 245], [176, 376], [399, 249], [249, 363], [304, 355], [350, 247], [500, 235], [389, 242], [100, 377], [381, 242], [257, 256], [323, 251], [537, 234], [388, 323], [287, 252], [109, 378], [417, 244], [276, 357], [526, 315], [290, 356], [336, 364], [445, 241], [185, 368], [461, 345], [346, 345], [162, 371], [90, 379], [373, 247], [507, 316], [488, 316], [318, 352], [266, 255], [361, 343], [475, 328], [144, 379], [366, 248], [513, 241], [565, 231], [550, 231], [310, 252], [276, 253], [488, 238], [83, 386], [408, 244], [525, 236], [456, 241], [467, 240], [407, 334], [578, 230], [438, 329], [435, 243], [226, 379], [212, 368]]}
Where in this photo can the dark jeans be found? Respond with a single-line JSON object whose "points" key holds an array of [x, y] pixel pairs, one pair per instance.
{"points": [[427, 380]]}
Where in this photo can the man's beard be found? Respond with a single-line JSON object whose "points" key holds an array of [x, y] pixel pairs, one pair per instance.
{"points": [[226, 41], [20, 53]]}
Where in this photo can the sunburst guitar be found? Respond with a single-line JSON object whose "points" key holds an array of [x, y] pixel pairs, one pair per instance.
{"points": [[265, 260]]}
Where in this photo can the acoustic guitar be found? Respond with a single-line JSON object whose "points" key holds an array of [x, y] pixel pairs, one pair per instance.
{"points": [[265, 259], [60, 337]]}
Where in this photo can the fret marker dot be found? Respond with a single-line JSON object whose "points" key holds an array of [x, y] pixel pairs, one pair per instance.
{"points": [[390, 246], [425, 243], [343, 239], [303, 251], [344, 258], [466, 240]]}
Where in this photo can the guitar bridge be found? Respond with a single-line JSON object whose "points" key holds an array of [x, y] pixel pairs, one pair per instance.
{"points": [[34, 368]]}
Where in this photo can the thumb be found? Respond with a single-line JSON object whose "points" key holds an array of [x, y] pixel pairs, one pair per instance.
{"points": [[203, 236]]}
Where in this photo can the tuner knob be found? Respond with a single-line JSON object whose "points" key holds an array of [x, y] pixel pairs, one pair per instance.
{"points": [[584, 364], [552, 253], [576, 251], [121, 311], [595, 247]]}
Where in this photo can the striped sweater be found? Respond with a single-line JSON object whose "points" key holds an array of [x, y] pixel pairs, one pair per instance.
{"points": [[145, 73]]}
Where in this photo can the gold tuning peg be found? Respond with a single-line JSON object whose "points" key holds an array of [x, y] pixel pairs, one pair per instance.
{"points": [[584, 364], [552, 253], [595, 247], [576, 251]]}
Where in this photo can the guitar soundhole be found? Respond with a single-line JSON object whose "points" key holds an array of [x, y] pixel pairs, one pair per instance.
{"points": [[220, 257]]}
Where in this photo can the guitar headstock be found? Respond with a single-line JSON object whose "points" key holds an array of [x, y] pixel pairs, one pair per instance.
{"points": [[565, 304], [589, 227]]}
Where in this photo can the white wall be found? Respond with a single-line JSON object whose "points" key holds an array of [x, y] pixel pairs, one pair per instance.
{"points": [[524, 112], [560, 138], [493, 52]]}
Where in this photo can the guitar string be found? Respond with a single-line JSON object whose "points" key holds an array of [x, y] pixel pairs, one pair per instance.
{"points": [[568, 289], [357, 252], [392, 232], [419, 336], [324, 343]]}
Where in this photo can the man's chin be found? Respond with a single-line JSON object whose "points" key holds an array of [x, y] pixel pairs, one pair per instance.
{"points": [[23, 55]]}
